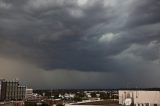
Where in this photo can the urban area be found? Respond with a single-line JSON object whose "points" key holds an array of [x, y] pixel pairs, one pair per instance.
{"points": [[14, 94]]}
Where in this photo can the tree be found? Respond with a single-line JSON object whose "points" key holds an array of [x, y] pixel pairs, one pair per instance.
{"points": [[80, 94], [77, 98], [93, 94], [104, 95], [59, 104]]}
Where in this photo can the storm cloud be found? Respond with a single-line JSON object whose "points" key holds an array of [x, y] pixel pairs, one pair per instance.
{"points": [[97, 37]]}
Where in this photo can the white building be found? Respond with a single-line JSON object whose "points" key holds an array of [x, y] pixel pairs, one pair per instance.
{"points": [[67, 95], [29, 93], [140, 97], [88, 95]]}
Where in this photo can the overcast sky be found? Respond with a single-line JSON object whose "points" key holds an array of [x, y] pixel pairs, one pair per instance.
{"points": [[80, 43]]}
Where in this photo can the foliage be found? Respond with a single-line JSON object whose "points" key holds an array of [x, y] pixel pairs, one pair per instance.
{"points": [[80, 94], [59, 104], [77, 98], [93, 94], [104, 96]]}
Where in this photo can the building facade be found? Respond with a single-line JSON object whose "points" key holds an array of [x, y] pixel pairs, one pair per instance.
{"points": [[140, 97], [29, 93], [11, 90]]}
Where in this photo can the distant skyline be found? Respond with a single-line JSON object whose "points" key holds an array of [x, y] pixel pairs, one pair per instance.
{"points": [[80, 43]]}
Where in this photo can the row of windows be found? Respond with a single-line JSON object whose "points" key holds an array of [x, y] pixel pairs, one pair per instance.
{"points": [[146, 104], [15, 87], [16, 94]]}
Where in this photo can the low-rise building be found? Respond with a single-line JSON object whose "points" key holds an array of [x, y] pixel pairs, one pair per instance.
{"points": [[140, 97]]}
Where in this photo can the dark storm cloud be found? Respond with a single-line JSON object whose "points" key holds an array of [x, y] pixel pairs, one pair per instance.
{"points": [[67, 34], [144, 12]]}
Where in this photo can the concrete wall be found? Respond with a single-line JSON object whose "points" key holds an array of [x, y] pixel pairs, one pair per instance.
{"points": [[29, 93], [140, 98]]}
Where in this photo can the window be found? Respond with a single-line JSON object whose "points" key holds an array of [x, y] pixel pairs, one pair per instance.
{"points": [[147, 104]]}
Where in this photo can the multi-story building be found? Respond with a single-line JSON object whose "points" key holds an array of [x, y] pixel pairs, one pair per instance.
{"points": [[29, 93], [11, 90], [21, 92], [140, 97]]}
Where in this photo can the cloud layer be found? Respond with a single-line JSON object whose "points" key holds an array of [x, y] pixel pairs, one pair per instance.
{"points": [[105, 38]]}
